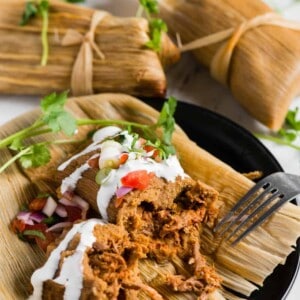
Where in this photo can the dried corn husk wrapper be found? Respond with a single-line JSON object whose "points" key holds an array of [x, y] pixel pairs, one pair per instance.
{"points": [[108, 53], [242, 267], [262, 63]]}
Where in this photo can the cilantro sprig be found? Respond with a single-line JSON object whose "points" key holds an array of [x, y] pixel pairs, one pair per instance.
{"points": [[290, 131], [33, 9], [157, 26], [54, 118]]}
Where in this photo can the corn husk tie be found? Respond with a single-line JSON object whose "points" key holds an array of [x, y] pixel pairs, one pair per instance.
{"points": [[220, 64], [82, 72]]}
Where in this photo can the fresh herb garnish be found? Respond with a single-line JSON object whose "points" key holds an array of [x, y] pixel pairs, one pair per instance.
{"points": [[157, 26], [32, 10], [149, 6], [290, 131], [40, 8], [54, 118]]}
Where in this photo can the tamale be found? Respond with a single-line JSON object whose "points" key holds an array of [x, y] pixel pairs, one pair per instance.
{"points": [[263, 72], [242, 267], [121, 61]]}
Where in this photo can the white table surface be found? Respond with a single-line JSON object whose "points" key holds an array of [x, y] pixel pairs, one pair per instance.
{"points": [[190, 83]]}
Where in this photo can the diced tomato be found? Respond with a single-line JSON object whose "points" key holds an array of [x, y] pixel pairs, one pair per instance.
{"points": [[94, 162], [149, 148], [74, 213], [18, 226], [123, 158], [37, 204], [137, 179]]}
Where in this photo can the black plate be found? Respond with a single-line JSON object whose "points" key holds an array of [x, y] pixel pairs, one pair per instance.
{"points": [[241, 150]]}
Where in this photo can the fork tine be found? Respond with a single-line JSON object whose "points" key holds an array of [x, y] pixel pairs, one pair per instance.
{"points": [[246, 209], [254, 213], [263, 217], [243, 200]]}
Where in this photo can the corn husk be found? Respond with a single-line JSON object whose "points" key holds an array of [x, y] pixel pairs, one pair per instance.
{"points": [[128, 65], [264, 73], [242, 267]]}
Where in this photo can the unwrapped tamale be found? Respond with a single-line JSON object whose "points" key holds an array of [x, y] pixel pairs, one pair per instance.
{"points": [[243, 267], [120, 60], [263, 70]]}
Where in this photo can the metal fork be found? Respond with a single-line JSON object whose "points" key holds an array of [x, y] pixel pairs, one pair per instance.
{"points": [[260, 202]]}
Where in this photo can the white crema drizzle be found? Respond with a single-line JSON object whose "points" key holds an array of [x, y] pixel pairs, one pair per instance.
{"points": [[98, 137], [169, 168], [71, 274]]}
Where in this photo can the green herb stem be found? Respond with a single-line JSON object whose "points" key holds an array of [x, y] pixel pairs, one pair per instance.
{"points": [[140, 11], [81, 122], [27, 132], [44, 37], [14, 158], [277, 140]]}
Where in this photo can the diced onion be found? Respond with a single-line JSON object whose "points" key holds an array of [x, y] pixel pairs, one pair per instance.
{"points": [[37, 217], [49, 207], [24, 216], [59, 226], [110, 152], [61, 211], [122, 191]]}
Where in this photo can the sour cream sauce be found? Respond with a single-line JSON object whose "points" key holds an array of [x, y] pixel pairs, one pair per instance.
{"points": [[71, 274], [168, 169]]}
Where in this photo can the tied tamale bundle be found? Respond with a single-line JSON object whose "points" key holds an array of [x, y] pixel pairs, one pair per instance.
{"points": [[249, 48], [89, 51], [243, 267]]}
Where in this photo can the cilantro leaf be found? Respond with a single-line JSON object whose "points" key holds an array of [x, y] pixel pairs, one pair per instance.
{"points": [[60, 121], [17, 144], [150, 6], [288, 135], [293, 119], [54, 114], [54, 102], [43, 6], [157, 28], [30, 12], [36, 156], [166, 119], [290, 131]]}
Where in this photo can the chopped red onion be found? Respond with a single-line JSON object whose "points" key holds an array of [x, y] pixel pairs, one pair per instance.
{"points": [[59, 226], [24, 216], [37, 217], [49, 207], [122, 191], [29, 222], [61, 211]]}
